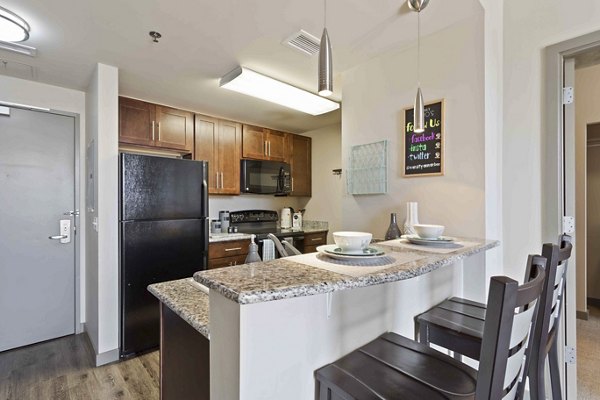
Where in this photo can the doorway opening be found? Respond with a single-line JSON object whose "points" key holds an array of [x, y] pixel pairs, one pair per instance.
{"points": [[564, 190]]}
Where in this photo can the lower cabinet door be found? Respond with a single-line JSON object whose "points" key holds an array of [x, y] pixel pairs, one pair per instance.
{"points": [[226, 261], [184, 359]]}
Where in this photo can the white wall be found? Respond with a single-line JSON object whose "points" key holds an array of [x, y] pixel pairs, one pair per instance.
{"points": [[375, 94], [327, 189], [60, 99], [102, 245]]}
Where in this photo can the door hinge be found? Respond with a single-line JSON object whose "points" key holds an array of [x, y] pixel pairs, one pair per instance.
{"points": [[568, 95], [570, 355], [568, 224]]}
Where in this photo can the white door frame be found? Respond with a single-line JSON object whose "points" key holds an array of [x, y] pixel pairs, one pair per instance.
{"points": [[558, 178], [77, 220]]}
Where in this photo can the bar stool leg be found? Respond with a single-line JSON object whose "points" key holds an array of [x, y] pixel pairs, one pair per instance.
{"points": [[537, 391], [554, 372]]}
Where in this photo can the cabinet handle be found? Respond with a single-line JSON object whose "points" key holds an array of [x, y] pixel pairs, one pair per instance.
{"points": [[266, 153], [316, 239], [233, 249], [153, 123], [222, 185], [292, 183], [269, 148], [158, 126], [217, 184]]}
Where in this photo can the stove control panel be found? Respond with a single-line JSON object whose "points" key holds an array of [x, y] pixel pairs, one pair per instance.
{"points": [[240, 217]]}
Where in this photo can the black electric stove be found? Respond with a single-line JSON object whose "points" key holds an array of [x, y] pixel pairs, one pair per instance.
{"points": [[261, 223]]}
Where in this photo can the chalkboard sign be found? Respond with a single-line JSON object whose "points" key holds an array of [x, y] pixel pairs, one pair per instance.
{"points": [[424, 152]]}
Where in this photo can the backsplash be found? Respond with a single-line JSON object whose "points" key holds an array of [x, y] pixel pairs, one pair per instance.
{"points": [[252, 202]]}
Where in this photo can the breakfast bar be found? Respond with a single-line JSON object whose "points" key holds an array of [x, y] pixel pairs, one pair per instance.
{"points": [[272, 324]]}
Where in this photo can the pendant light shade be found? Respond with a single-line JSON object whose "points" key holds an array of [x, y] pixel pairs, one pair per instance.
{"points": [[12, 27], [419, 115], [325, 66]]}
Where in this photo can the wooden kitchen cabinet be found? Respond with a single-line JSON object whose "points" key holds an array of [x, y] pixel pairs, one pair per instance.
{"points": [[218, 142], [301, 165], [174, 129], [312, 241], [277, 146], [226, 254], [264, 144], [136, 122], [150, 125]]}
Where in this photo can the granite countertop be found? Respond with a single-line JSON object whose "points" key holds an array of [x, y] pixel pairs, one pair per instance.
{"points": [[186, 300], [284, 279]]}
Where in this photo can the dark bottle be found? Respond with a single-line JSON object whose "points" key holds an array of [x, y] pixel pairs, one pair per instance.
{"points": [[393, 231]]}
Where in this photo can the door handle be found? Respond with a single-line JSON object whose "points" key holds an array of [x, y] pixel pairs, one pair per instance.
{"points": [[65, 230]]}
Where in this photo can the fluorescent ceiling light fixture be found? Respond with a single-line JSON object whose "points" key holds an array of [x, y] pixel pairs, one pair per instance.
{"points": [[251, 83], [18, 48], [12, 27]]}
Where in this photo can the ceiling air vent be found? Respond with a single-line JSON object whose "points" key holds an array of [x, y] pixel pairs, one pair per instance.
{"points": [[304, 42]]}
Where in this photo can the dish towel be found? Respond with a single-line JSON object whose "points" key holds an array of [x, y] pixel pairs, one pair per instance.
{"points": [[268, 250]]}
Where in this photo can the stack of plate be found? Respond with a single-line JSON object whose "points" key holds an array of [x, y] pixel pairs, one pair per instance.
{"points": [[334, 251], [442, 241]]}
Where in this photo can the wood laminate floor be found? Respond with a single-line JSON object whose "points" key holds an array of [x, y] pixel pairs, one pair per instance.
{"points": [[63, 369]]}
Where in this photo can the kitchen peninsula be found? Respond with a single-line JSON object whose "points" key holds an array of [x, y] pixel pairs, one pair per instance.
{"points": [[273, 323]]}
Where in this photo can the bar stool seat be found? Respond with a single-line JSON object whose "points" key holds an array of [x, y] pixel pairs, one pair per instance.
{"points": [[372, 372], [455, 324]]}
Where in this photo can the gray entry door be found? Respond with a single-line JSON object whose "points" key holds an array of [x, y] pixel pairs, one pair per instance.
{"points": [[37, 186]]}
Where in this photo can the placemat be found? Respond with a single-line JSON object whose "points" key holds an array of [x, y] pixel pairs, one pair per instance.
{"points": [[405, 244], [355, 267]]}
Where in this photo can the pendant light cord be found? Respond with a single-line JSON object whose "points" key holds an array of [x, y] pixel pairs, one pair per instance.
{"points": [[419, 48], [325, 14]]}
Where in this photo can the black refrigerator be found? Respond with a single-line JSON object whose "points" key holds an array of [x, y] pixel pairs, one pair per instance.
{"points": [[164, 231]]}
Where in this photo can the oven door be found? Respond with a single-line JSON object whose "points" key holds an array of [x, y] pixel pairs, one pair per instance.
{"points": [[265, 177]]}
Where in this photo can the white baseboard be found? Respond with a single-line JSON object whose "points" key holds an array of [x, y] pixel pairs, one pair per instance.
{"points": [[106, 357]]}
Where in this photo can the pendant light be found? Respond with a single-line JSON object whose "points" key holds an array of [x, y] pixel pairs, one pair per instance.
{"points": [[325, 60], [419, 109], [12, 27]]}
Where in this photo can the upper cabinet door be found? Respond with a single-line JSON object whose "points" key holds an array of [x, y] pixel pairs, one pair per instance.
{"points": [[277, 146], [206, 131], [301, 166], [136, 122], [254, 144], [174, 129], [230, 134]]}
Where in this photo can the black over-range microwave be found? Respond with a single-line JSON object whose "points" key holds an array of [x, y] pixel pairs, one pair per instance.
{"points": [[265, 177]]}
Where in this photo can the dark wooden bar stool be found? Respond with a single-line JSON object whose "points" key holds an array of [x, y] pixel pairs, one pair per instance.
{"points": [[395, 367], [457, 324]]}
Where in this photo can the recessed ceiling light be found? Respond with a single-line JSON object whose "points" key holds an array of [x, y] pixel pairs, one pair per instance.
{"points": [[12, 27], [246, 81]]}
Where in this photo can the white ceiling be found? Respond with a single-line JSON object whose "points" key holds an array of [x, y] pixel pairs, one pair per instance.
{"points": [[204, 39]]}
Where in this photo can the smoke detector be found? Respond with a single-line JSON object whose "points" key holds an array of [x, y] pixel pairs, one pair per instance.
{"points": [[304, 42]]}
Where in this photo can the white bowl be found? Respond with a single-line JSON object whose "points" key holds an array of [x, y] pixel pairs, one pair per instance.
{"points": [[352, 240], [429, 231]]}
